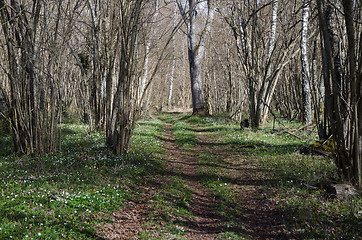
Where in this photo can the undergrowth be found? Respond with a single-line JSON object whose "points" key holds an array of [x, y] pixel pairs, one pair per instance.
{"points": [[71, 194]]}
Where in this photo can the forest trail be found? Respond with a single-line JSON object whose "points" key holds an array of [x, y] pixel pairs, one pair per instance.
{"points": [[248, 214], [206, 223]]}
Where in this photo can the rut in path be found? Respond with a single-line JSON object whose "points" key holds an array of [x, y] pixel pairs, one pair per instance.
{"points": [[207, 223]]}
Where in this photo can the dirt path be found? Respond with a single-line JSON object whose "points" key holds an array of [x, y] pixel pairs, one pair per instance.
{"points": [[260, 217], [206, 223], [257, 214], [262, 220]]}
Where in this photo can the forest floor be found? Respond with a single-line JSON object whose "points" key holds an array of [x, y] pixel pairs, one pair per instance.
{"points": [[259, 218], [186, 177]]}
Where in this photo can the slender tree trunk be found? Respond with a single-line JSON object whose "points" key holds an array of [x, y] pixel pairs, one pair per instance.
{"points": [[145, 70], [230, 83], [269, 82], [169, 102], [333, 79], [172, 76], [355, 93], [359, 88], [144, 77], [318, 89], [306, 89], [254, 121], [94, 95], [273, 29]]}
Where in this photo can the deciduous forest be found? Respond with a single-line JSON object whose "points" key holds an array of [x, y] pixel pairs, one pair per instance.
{"points": [[180, 119]]}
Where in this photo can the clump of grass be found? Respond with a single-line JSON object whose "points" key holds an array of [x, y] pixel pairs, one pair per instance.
{"points": [[170, 212], [184, 134]]}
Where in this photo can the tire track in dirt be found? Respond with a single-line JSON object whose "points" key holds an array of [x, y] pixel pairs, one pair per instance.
{"points": [[206, 223]]}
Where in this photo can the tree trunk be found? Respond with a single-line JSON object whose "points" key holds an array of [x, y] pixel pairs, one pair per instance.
{"points": [[196, 81], [195, 62], [254, 121], [318, 89], [172, 76], [143, 80], [306, 89], [359, 88], [355, 93], [94, 95], [33, 118], [269, 81], [335, 104], [196, 49], [124, 110], [169, 102], [230, 84]]}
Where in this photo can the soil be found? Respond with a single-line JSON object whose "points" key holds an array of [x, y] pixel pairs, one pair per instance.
{"points": [[206, 224], [261, 218]]}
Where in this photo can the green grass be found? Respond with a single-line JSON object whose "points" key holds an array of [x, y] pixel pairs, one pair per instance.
{"points": [[309, 213], [71, 194], [184, 134], [170, 212]]}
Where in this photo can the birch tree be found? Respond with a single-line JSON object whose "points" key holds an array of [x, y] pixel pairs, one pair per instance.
{"points": [[173, 64], [306, 89]]}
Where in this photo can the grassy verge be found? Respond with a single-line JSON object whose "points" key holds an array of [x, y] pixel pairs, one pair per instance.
{"points": [[70, 195], [311, 214]]}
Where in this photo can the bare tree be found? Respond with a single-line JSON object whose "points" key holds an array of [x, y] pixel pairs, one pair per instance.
{"points": [[190, 10], [262, 60], [356, 135], [34, 61], [123, 114], [342, 93]]}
